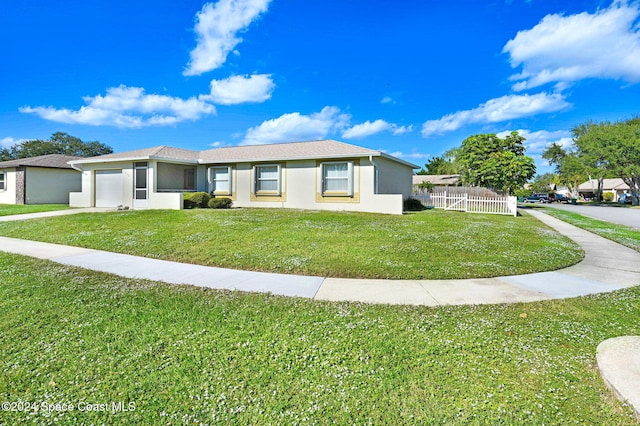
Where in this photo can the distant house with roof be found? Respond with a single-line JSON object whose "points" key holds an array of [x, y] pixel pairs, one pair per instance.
{"points": [[323, 175], [46, 179], [617, 186], [436, 180]]}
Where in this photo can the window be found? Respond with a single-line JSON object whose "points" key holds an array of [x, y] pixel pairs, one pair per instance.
{"points": [[267, 179], [220, 178], [2, 181], [337, 179], [140, 178]]}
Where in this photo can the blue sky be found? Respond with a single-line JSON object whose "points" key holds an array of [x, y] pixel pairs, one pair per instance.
{"points": [[411, 78]]}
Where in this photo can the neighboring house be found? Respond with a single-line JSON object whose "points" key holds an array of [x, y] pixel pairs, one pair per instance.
{"points": [[588, 189], [323, 175], [46, 179], [436, 180]]}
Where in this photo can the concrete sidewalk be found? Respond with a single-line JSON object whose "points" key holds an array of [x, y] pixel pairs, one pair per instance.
{"points": [[607, 266]]}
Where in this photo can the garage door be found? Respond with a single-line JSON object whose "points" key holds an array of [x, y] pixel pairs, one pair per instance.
{"points": [[108, 188]]}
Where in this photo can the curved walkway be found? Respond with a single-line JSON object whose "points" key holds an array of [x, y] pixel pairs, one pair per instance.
{"points": [[607, 266]]}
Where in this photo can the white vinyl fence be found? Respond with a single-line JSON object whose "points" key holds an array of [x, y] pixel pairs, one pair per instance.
{"points": [[465, 202]]}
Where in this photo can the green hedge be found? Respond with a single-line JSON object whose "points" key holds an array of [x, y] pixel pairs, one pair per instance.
{"points": [[220, 203], [196, 199]]}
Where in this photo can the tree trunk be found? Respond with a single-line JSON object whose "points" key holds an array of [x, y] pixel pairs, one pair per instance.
{"points": [[634, 185]]}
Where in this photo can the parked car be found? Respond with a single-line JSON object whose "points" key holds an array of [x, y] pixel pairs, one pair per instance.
{"points": [[558, 198], [626, 199], [536, 198]]}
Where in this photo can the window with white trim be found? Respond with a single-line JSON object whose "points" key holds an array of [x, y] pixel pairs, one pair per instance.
{"points": [[337, 178], [3, 185], [220, 180], [267, 179]]}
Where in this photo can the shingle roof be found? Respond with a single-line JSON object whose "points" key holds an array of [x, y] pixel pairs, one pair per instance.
{"points": [[55, 161], [270, 152], [436, 179], [285, 151], [146, 153], [607, 184]]}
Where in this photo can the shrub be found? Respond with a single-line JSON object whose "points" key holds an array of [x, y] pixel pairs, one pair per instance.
{"points": [[608, 196], [220, 203], [412, 205], [195, 199]]}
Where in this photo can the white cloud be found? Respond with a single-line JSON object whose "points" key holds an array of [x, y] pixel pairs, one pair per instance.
{"points": [[217, 27], [297, 127], [497, 110], [239, 89], [369, 128], [387, 100], [537, 142], [366, 129], [127, 107], [400, 130], [9, 142], [564, 49]]}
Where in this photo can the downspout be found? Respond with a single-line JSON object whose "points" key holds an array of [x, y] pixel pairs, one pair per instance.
{"points": [[375, 174]]}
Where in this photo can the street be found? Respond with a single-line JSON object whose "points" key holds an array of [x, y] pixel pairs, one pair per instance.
{"points": [[620, 215]]}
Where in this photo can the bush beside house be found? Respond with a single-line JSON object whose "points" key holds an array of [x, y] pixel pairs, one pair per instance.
{"points": [[203, 200]]}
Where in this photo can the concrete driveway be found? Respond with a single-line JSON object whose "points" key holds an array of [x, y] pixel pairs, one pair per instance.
{"points": [[620, 215]]}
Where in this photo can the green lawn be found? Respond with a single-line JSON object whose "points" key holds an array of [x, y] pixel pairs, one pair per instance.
{"points": [[11, 209], [433, 244], [183, 355], [618, 233]]}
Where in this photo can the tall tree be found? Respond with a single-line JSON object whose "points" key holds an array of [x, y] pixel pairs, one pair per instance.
{"points": [[611, 150], [490, 161], [59, 143], [568, 166]]}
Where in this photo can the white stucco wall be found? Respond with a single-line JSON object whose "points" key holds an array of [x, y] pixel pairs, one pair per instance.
{"points": [[394, 178], [301, 188], [8, 195], [50, 186]]}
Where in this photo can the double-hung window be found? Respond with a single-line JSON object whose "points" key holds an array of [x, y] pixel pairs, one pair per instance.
{"points": [[267, 179], [3, 184], [337, 179], [220, 178]]}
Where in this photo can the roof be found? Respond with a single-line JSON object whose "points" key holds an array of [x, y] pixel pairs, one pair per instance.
{"points": [[607, 185], [436, 179], [54, 161], [157, 152], [239, 154]]}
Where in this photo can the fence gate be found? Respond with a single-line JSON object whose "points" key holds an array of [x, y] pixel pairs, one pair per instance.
{"points": [[464, 202], [456, 202]]}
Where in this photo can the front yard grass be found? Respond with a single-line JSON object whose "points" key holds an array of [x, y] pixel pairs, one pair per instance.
{"points": [[433, 244], [11, 209], [619, 233], [184, 355]]}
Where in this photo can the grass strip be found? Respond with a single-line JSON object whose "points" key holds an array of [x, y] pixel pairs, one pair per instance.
{"points": [[11, 209], [433, 244], [619, 233]]}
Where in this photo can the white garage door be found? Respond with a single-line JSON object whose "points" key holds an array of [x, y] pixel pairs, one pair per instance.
{"points": [[108, 188]]}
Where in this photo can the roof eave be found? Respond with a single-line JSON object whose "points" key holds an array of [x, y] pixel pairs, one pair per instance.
{"points": [[136, 158]]}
